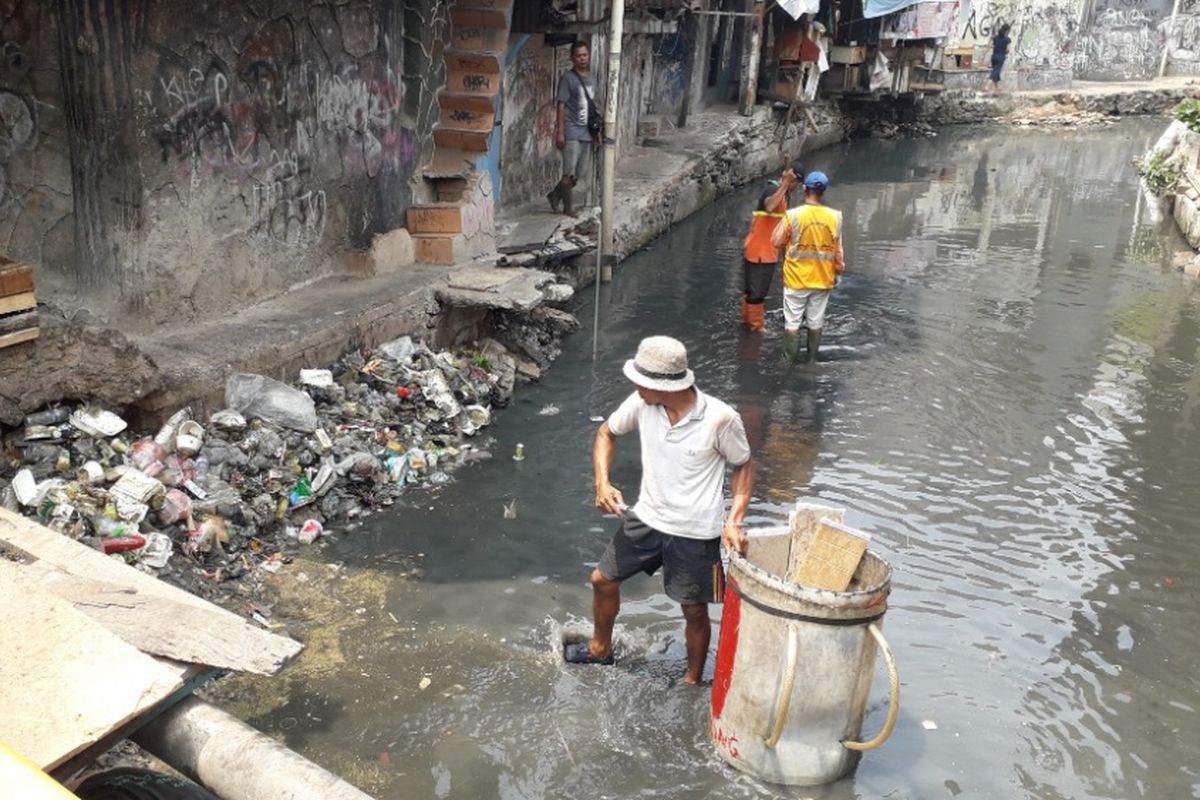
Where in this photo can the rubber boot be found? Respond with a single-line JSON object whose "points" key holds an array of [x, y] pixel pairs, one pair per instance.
{"points": [[746, 314], [813, 344], [555, 197], [756, 315], [791, 346], [566, 191]]}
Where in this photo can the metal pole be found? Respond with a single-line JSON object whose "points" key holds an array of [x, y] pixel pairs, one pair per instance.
{"points": [[1162, 66], [750, 63], [615, 31], [596, 313]]}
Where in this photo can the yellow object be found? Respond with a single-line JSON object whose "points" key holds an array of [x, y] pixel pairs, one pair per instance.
{"points": [[829, 559], [21, 778], [813, 247]]}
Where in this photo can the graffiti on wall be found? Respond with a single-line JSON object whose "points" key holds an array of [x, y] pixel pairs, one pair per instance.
{"points": [[1123, 42], [529, 160], [270, 125], [1181, 37], [18, 102], [1043, 33]]}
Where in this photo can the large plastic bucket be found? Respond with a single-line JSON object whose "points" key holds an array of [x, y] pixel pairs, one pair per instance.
{"points": [[794, 665]]}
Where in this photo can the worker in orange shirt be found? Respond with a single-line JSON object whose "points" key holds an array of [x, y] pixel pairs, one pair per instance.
{"points": [[812, 262], [759, 255]]}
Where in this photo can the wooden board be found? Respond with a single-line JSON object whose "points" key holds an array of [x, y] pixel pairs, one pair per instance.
{"points": [[830, 559], [9, 339], [15, 278], [147, 612], [68, 682], [17, 302], [21, 321]]}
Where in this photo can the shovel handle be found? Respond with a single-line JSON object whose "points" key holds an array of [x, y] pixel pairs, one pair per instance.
{"points": [[893, 696], [785, 690]]}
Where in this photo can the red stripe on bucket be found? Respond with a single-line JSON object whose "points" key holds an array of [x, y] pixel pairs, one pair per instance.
{"points": [[731, 617]]}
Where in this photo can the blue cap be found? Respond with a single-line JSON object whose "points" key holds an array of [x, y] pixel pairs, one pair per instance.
{"points": [[816, 180]]}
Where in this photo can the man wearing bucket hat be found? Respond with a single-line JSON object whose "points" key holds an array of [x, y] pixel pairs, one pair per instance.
{"points": [[678, 522], [812, 263]]}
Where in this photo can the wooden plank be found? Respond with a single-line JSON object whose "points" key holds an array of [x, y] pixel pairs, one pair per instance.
{"points": [[15, 278], [163, 627], [17, 302], [242, 646], [831, 558], [68, 681], [9, 339]]}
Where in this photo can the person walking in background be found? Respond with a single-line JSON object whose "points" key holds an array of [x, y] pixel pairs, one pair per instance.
{"points": [[1000, 45], [812, 263], [679, 520], [575, 131], [759, 255]]}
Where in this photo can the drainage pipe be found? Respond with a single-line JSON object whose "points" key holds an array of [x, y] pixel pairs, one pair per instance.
{"points": [[236, 761]]}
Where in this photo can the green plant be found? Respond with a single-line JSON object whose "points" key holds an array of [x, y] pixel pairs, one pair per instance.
{"points": [[1188, 112], [1160, 173]]}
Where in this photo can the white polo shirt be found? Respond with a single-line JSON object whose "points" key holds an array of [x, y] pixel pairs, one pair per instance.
{"points": [[683, 467]]}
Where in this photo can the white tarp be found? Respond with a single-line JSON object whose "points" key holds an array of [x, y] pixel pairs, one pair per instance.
{"points": [[797, 7]]}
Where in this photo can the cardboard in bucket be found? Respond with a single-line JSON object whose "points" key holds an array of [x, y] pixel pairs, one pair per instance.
{"points": [[825, 555]]}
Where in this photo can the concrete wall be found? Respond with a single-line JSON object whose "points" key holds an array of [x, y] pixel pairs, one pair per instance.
{"points": [[218, 152], [1105, 40]]}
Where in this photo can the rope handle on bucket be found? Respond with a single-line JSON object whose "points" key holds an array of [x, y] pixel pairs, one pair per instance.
{"points": [[893, 695], [789, 682], [785, 695]]}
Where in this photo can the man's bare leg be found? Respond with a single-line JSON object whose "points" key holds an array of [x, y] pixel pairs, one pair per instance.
{"points": [[606, 604], [697, 633]]}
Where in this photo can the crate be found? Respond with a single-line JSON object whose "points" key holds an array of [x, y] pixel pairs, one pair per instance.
{"points": [[847, 54], [826, 557], [18, 303]]}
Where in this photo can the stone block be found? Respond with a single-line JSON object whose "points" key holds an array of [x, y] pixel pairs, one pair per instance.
{"points": [[392, 251]]}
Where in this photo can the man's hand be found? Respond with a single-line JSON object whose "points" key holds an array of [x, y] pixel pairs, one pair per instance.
{"points": [[609, 499], [560, 139], [734, 538], [790, 180]]}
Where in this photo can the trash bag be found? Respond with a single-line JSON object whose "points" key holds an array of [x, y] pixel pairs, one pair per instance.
{"points": [[259, 397]]}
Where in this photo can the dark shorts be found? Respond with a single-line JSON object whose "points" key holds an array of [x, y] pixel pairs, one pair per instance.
{"points": [[997, 65], [757, 281], [692, 571]]}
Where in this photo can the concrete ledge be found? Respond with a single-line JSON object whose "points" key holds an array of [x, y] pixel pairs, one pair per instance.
{"points": [[309, 327]]}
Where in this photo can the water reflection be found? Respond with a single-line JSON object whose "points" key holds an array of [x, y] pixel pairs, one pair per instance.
{"points": [[1009, 404]]}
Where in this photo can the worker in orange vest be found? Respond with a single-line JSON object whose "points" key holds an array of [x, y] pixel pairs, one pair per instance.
{"points": [[812, 262], [759, 255]]}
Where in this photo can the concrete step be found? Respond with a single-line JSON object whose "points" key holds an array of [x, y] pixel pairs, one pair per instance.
{"points": [[479, 38], [433, 248], [471, 18], [462, 138], [450, 162], [434, 218], [480, 84], [467, 119], [460, 60], [469, 102]]}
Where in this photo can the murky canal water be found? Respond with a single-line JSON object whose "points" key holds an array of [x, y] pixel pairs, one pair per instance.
{"points": [[1009, 405]]}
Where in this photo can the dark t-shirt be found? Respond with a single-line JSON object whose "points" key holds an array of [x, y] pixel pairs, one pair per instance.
{"points": [[1000, 46], [571, 93]]}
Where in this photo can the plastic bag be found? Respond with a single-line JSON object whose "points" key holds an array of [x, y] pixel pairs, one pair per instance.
{"points": [[259, 397]]}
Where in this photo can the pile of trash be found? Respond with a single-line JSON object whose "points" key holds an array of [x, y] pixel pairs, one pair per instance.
{"points": [[1056, 114], [202, 502]]}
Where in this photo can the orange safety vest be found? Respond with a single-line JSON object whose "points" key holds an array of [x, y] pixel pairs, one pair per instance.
{"points": [[757, 248], [812, 247]]}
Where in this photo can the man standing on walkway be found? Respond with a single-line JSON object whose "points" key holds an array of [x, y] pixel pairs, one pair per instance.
{"points": [[759, 254], [578, 118], [812, 263], [678, 523]]}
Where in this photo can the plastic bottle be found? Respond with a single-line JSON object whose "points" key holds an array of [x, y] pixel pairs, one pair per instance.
{"points": [[51, 416], [519, 455]]}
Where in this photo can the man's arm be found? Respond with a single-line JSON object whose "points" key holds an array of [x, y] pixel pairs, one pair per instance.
{"points": [[781, 233], [777, 202], [608, 497], [742, 486]]}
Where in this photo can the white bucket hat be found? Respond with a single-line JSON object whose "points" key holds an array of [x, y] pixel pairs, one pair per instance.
{"points": [[660, 365]]}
